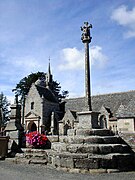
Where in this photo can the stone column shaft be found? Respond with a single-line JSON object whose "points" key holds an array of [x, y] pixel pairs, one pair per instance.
{"points": [[87, 77]]}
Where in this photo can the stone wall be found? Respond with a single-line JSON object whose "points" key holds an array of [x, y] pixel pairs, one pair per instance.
{"points": [[33, 96], [48, 108], [126, 125], [42, 107]]}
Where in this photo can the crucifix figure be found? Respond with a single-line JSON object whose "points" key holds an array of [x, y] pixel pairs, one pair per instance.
{"points": [[86, 39]]}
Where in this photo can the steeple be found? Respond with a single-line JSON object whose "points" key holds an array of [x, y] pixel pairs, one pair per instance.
{"points": [[49, 68], [49, 77]]}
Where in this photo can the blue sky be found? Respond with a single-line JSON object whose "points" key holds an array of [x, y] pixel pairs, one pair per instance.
{"points": [[31, 31]]}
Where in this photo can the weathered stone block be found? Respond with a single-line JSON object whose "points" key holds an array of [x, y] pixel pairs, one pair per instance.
{"points": [[78, 140], [118, 148], [88, 149], [70, 139], [125, 162], [84, 171], [63, 139], [53, 138], [101, 132], [71, 132], [88, 119], [104, 149], [74, 170], [83, 132], [97, 171], [59, 147], [73, 155], [93, 139], [87, 163], [72, 148], [56, 161], [67, 162], [111, 140], [108, 163]]}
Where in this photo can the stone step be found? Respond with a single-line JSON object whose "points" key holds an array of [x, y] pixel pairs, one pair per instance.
{"points": [[36, 156], [90, 148], [91, 139], [32, 150], [98, 132], [79, 161], [38, 161], [98, 148]]}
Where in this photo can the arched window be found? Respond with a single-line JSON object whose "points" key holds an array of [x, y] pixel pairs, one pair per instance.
{"points": [[32, 105]]}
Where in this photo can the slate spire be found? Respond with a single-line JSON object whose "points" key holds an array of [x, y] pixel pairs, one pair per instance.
{"points": [[49, 78]]}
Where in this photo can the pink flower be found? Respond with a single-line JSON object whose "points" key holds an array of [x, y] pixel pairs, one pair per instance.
{"points": [[36, 139]]}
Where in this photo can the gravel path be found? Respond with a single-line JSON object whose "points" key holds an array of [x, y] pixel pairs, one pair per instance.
{"points": [[10, 171]]}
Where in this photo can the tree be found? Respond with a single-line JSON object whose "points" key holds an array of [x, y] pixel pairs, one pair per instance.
{"points": [[4, 109], [22, 88]]}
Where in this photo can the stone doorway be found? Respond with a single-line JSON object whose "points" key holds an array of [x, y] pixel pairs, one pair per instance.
{"points": [[32, 127], [66, 127], [103, 122]]}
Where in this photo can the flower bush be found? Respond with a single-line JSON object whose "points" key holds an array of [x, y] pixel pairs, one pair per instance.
{"points": [[36, 140]]}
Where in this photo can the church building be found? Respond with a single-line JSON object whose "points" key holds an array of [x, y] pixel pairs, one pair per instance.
{"points": [[41, 110], [116, 112]]}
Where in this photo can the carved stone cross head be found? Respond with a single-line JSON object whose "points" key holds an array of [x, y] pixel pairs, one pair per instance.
{"points": [[86, 32]]}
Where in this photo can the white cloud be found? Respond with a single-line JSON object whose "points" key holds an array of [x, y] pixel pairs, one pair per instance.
{"points": [[74, 58], [97, 57], [125, 18]]}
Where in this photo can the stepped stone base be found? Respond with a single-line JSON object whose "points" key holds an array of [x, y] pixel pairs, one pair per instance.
{"points": [[89, 150], [83, 151]]}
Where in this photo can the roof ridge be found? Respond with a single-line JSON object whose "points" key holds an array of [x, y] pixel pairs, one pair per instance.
{"points": [[122, 92], [130, 91]]}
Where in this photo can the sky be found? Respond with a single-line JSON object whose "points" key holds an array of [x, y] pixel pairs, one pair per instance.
{"points": [[32, 31]]}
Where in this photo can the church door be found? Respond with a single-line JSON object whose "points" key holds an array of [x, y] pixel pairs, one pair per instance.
{"points": [[32, 127], [103, 122]]}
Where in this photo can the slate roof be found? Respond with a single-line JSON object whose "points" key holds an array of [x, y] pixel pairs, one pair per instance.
{"points": [[46, 93], [124, 112], [111, 101]]}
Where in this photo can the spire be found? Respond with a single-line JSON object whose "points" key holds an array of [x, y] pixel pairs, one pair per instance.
{"points": [[49, 77], [49, 68]]}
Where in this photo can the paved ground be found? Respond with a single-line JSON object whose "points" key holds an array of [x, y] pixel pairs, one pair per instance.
{"points": [[10, 171]]}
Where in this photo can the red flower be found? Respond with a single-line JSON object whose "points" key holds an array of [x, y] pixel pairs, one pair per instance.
{"points": [[36, 139]]}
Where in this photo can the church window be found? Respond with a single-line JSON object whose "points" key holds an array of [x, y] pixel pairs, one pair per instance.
{"points": [[32, 105]]}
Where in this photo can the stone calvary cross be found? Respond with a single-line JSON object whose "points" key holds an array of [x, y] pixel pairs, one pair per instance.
{"points": [[86, 39], [87, 119]]}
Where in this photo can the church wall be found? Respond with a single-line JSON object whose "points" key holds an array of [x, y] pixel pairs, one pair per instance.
{"points": [[33, 96], [48, 108], [126, 125]]}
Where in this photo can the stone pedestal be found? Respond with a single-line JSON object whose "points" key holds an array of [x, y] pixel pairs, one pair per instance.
{"points": [[88, 119], [14, 128]]}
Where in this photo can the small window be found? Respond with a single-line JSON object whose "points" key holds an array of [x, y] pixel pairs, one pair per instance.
{"points": [[32, 105]]}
